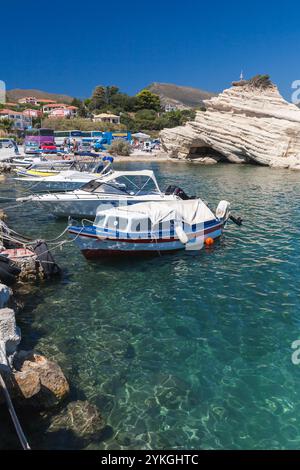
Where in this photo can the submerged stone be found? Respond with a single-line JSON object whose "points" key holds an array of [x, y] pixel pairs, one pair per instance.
{"points": [[82, 418]]}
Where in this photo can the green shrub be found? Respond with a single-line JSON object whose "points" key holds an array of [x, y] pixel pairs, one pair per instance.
{"points": [[119, 147], [81, 124]]}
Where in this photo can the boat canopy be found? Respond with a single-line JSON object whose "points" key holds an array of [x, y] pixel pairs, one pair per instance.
{"points": [[131, 177], [192, 211]]}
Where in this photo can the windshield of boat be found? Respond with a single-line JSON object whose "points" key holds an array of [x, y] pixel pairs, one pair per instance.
{"points": [[135, 185], [48, 166]]}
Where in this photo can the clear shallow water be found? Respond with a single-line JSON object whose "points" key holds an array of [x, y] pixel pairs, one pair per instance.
{"points": [[184, 351]]}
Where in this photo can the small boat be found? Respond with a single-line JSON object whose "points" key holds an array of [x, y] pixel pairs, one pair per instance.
{"points": [[113, 189], [26, 162], [151, 228], [67, 180], [44, 168], [18, 253]]}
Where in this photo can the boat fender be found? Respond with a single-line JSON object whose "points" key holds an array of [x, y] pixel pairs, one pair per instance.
{"points": [[222, 211], [181, 234], [46, 259]]}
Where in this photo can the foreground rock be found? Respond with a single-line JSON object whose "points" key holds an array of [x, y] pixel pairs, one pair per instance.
{"points": [[250, 122], [39, 378]]}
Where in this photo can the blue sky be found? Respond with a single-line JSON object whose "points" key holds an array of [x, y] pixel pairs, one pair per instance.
{"points": [[70, 47]]}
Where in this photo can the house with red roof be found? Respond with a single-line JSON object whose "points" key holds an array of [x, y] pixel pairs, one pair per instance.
{"points": [[33, 113], [60, 110], [20, 120]]}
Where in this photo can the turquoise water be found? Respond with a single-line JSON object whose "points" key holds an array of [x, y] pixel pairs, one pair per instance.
{"points": [[183, 351]]}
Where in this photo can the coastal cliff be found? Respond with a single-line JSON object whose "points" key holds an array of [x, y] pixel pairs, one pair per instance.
{"points": [[249, 122]]}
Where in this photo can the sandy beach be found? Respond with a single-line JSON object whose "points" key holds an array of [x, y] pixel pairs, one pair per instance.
{"points": [[137, 156]]}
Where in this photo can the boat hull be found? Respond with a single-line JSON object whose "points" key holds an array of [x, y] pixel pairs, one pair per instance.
{"points": [[94, 246], [85, 207], [51, 186]]}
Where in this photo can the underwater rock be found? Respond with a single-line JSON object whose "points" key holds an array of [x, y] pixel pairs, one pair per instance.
{"points": [[249, 122], [123, 439], [81, 417], [130, 352]]}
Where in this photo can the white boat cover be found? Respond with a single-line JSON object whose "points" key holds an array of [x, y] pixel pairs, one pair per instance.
{"points": [[192, 211]]}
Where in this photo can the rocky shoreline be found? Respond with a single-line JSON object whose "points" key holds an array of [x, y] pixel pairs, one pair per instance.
{"points": [[37, 385]]}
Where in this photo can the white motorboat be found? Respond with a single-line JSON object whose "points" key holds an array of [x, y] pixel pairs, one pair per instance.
{"points": [[151, 228], [115, 189], [26, 161], [66, 180], [43, 167]]}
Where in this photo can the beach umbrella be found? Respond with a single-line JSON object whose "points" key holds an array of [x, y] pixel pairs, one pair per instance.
{"points": [[141, 136]]}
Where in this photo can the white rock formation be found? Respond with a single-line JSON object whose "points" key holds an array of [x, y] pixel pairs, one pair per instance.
{"points": [[248, 122]]}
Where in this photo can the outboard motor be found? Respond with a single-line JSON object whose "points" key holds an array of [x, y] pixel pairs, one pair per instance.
{"points": [[176, 191], [222, 211]]}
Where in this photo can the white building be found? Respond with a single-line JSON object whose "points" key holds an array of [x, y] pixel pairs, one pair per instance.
{"points": [[20, 120], [170, 107], [60, 110], [66, 112], [28, 100], [106, 117]]}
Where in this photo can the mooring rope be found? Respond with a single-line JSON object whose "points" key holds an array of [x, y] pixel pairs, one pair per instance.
{"points": [[14, 417]]}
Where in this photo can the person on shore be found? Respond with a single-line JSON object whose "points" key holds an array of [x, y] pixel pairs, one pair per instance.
{"points": [[75, 145]]}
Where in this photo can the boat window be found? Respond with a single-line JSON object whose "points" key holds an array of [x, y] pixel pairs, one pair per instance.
{"points": [[136, 185], [141, 225], [100, 220], [91, 186], [116, 223]]}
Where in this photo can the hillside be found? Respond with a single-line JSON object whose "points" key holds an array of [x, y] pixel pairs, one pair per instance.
{"points": [[17, 93], [180, 96]]}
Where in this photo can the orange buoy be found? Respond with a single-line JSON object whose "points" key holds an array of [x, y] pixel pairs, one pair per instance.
{"points": [[209, 241]]}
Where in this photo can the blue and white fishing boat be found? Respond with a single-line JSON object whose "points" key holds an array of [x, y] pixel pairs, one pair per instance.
{"points": [[151, 227]]}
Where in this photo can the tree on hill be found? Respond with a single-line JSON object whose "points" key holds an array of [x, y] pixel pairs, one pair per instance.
{"points": [[82, 110], [148, 100], [123, 102], [98, 98], [6, 125]]}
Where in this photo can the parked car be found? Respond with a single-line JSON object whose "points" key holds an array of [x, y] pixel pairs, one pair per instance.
{"points": [[31, 148], [6, 143], [48, 147]]}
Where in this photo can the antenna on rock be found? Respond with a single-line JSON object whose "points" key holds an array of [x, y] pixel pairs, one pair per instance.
{"points": [[242, 75]]}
